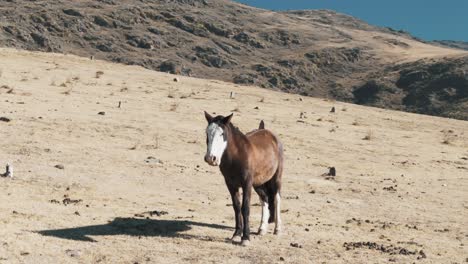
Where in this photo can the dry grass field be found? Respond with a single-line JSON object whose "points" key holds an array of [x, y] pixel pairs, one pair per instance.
{"points": [[98, 183]]}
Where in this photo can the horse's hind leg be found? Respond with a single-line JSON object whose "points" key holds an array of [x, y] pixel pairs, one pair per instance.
{"points": [[274, 188], [278, 224], [262, 192], [271, 192]]}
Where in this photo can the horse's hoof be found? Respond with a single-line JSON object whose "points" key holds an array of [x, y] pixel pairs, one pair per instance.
{"points": [[262, 232], [245, 243], [277, 232], [236, 239]]}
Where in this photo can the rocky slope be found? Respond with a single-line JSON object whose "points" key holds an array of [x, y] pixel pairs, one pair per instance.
{"points": [[316, 53], [453, 44]]}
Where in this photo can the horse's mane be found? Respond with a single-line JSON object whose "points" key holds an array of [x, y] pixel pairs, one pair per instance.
{"points": [[235, 130]]}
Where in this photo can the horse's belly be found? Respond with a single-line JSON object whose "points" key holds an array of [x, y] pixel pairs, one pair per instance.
{"points": [[263, 175]]}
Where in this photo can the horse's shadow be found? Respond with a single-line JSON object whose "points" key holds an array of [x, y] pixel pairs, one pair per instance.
{"points": [[133, 227]]}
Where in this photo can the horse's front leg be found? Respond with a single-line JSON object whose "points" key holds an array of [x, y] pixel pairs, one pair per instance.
{"points": [[236, 204], [246, 193]]}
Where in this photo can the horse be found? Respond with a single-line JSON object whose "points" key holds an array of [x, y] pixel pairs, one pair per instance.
{"points": [[251, 160]]}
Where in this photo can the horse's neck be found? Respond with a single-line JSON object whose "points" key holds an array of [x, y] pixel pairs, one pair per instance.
{"points": [[236, 142]]}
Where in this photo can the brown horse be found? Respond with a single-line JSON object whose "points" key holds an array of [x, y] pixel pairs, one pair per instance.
{"points": [[251, 160]]}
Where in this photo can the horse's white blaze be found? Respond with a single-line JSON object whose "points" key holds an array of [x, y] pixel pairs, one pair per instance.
{"points": [[265, 215], [216, 142], [277, 213]]}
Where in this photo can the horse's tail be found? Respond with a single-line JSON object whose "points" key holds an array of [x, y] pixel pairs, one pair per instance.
{"points": [[262, 125]]}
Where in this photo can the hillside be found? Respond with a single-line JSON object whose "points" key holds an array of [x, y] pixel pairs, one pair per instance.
{"points": [[317, 53], [98, 183], [452, 44]]}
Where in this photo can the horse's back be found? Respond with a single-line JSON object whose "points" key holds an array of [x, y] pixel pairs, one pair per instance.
{"points": [[263, 139]]}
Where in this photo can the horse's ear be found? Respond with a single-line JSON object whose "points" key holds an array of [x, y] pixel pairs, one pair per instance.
{"points": [[262, 125], [227, 119], [208, 117]]}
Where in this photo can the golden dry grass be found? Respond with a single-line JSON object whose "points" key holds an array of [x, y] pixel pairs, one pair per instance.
{"points": [[403, 188]]}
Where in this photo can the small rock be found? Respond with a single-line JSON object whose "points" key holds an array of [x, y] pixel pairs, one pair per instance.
{"points": [[5, 119], [72, 12], [101, 113], [157, 213], [8, 171], [256, 108], [281, 259], [73, 253], [176, 79], [59, 166], [296, 245], [332, 110], [54, 201], [77, 213], [152, 159], [68, 201]]}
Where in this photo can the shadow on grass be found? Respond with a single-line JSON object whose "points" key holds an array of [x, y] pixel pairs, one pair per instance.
{"points": [[133, 227]]}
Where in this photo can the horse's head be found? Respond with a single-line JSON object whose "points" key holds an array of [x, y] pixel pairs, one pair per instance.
{"points": [[216, 138]]}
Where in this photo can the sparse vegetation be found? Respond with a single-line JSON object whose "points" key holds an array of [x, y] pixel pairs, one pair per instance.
{"points": [[68, 91], [99, 74], [369, 135], [134, 147], [156, 140], [174, 107], [448, 137], [155, 158], [171, 94]]}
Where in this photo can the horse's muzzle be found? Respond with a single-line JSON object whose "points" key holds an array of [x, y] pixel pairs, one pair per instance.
{"points": [[211, 160]]}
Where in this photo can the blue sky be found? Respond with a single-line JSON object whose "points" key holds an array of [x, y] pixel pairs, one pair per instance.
{"points": [[426, 19]]}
